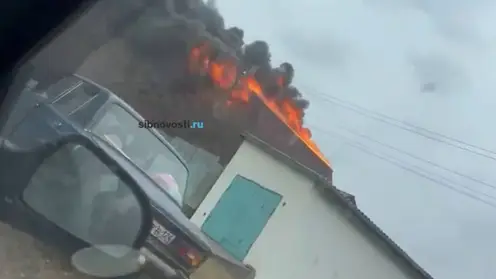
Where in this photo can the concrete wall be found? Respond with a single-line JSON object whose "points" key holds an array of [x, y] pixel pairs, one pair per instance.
{"points": [[306, 237]]}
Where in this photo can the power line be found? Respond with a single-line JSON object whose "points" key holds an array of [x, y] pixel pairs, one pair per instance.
{"points": [[412, 128], [476, 180], [442, 181]]}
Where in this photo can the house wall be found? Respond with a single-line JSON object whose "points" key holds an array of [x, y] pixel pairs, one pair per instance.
{"points": [[306, 236]]}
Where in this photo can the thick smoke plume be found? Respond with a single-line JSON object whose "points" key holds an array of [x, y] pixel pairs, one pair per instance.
{"points": [[156, 35]]}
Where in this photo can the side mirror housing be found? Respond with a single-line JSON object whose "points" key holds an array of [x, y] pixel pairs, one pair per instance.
{"points": [[74, 185], [86, 181]]}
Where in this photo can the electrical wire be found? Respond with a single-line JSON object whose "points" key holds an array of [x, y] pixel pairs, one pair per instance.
{"points": [[412, 128], [391, 147], [440, 181]]}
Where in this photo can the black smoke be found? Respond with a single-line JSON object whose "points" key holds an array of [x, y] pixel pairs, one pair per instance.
{"points": [[170, 37]]}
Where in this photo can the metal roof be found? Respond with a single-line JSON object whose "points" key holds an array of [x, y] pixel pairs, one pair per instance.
{"points": [[267, 126], [349, 197], [331, 193]]}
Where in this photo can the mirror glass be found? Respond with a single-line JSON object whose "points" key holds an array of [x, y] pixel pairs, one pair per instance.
{"points": [[81, 195]]}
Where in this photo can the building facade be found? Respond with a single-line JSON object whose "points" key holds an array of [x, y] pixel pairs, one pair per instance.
{"points": [[288, 222]]}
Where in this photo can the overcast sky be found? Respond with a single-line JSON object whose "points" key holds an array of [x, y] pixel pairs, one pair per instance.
{"points": [[378, 54]]}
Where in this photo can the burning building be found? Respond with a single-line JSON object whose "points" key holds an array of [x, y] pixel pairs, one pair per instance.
{"points": [[179, 61], [171, 67], [274, 116]]}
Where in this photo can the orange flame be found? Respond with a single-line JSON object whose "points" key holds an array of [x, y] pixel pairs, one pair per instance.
{"points": [[224, 74]]}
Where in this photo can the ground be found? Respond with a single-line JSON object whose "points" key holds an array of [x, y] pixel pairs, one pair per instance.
{"points": [[21, 256]]}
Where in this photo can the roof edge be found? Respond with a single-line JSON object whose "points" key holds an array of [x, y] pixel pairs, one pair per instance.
{"points": [[276, 152], [356, 212]]}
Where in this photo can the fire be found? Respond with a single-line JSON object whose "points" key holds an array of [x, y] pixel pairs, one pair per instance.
{"points": [[288, 114], [224, 73]]}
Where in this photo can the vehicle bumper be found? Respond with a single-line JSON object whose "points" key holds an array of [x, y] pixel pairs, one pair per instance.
{"points": [[154, 267]]}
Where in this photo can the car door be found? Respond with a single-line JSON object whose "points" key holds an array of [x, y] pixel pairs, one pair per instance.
{"points": [[17, 165], [53, 204], [39, 205]]}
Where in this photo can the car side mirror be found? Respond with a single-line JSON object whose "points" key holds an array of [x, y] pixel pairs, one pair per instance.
{"points": [[70, 189]]}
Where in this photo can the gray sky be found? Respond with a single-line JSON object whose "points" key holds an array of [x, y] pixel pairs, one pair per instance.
{"points": [[377, 54]]}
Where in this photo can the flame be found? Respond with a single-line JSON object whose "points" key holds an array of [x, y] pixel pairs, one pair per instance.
{"points": [[288, 114], [224, 73]]}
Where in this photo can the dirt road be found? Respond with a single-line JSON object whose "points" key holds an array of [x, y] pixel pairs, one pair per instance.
{"points": [[22, 257]]}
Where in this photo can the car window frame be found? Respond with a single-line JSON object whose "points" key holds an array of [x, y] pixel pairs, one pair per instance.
{"points": [[65, 92], [72, 90]]}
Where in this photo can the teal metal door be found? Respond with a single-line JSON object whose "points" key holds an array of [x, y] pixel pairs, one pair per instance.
{"points": [[240, 216]]}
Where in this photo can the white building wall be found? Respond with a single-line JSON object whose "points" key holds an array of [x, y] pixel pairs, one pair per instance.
{"points": [[306, 236]]}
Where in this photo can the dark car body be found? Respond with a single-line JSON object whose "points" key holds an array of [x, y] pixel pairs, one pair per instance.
{"points": [[174, 241], [23, 164]]}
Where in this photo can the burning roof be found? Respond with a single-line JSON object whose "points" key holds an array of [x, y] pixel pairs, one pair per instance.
{"points": [[278, 119], [192, 47], [217, 57], [269, 128]]}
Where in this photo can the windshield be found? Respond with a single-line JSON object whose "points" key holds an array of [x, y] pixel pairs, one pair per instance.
{"points": [[144, 148]]}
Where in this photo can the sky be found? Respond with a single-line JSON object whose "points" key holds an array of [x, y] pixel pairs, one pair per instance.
{"points": [[378, 55]]}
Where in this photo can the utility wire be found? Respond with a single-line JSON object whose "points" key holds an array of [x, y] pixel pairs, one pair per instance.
{"points": [[414, 156], [441, 181], [366, 137], [415, 129]]}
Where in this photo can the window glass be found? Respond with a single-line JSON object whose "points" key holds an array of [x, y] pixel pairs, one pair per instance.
{"points": [[145, 149], [62, 86], [75, 98], [80, 194]]}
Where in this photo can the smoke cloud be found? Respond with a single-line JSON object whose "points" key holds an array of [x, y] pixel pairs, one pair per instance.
{"points": [[156, 35]]}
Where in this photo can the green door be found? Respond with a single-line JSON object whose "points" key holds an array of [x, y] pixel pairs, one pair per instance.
{"points": [[240, 216]]}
